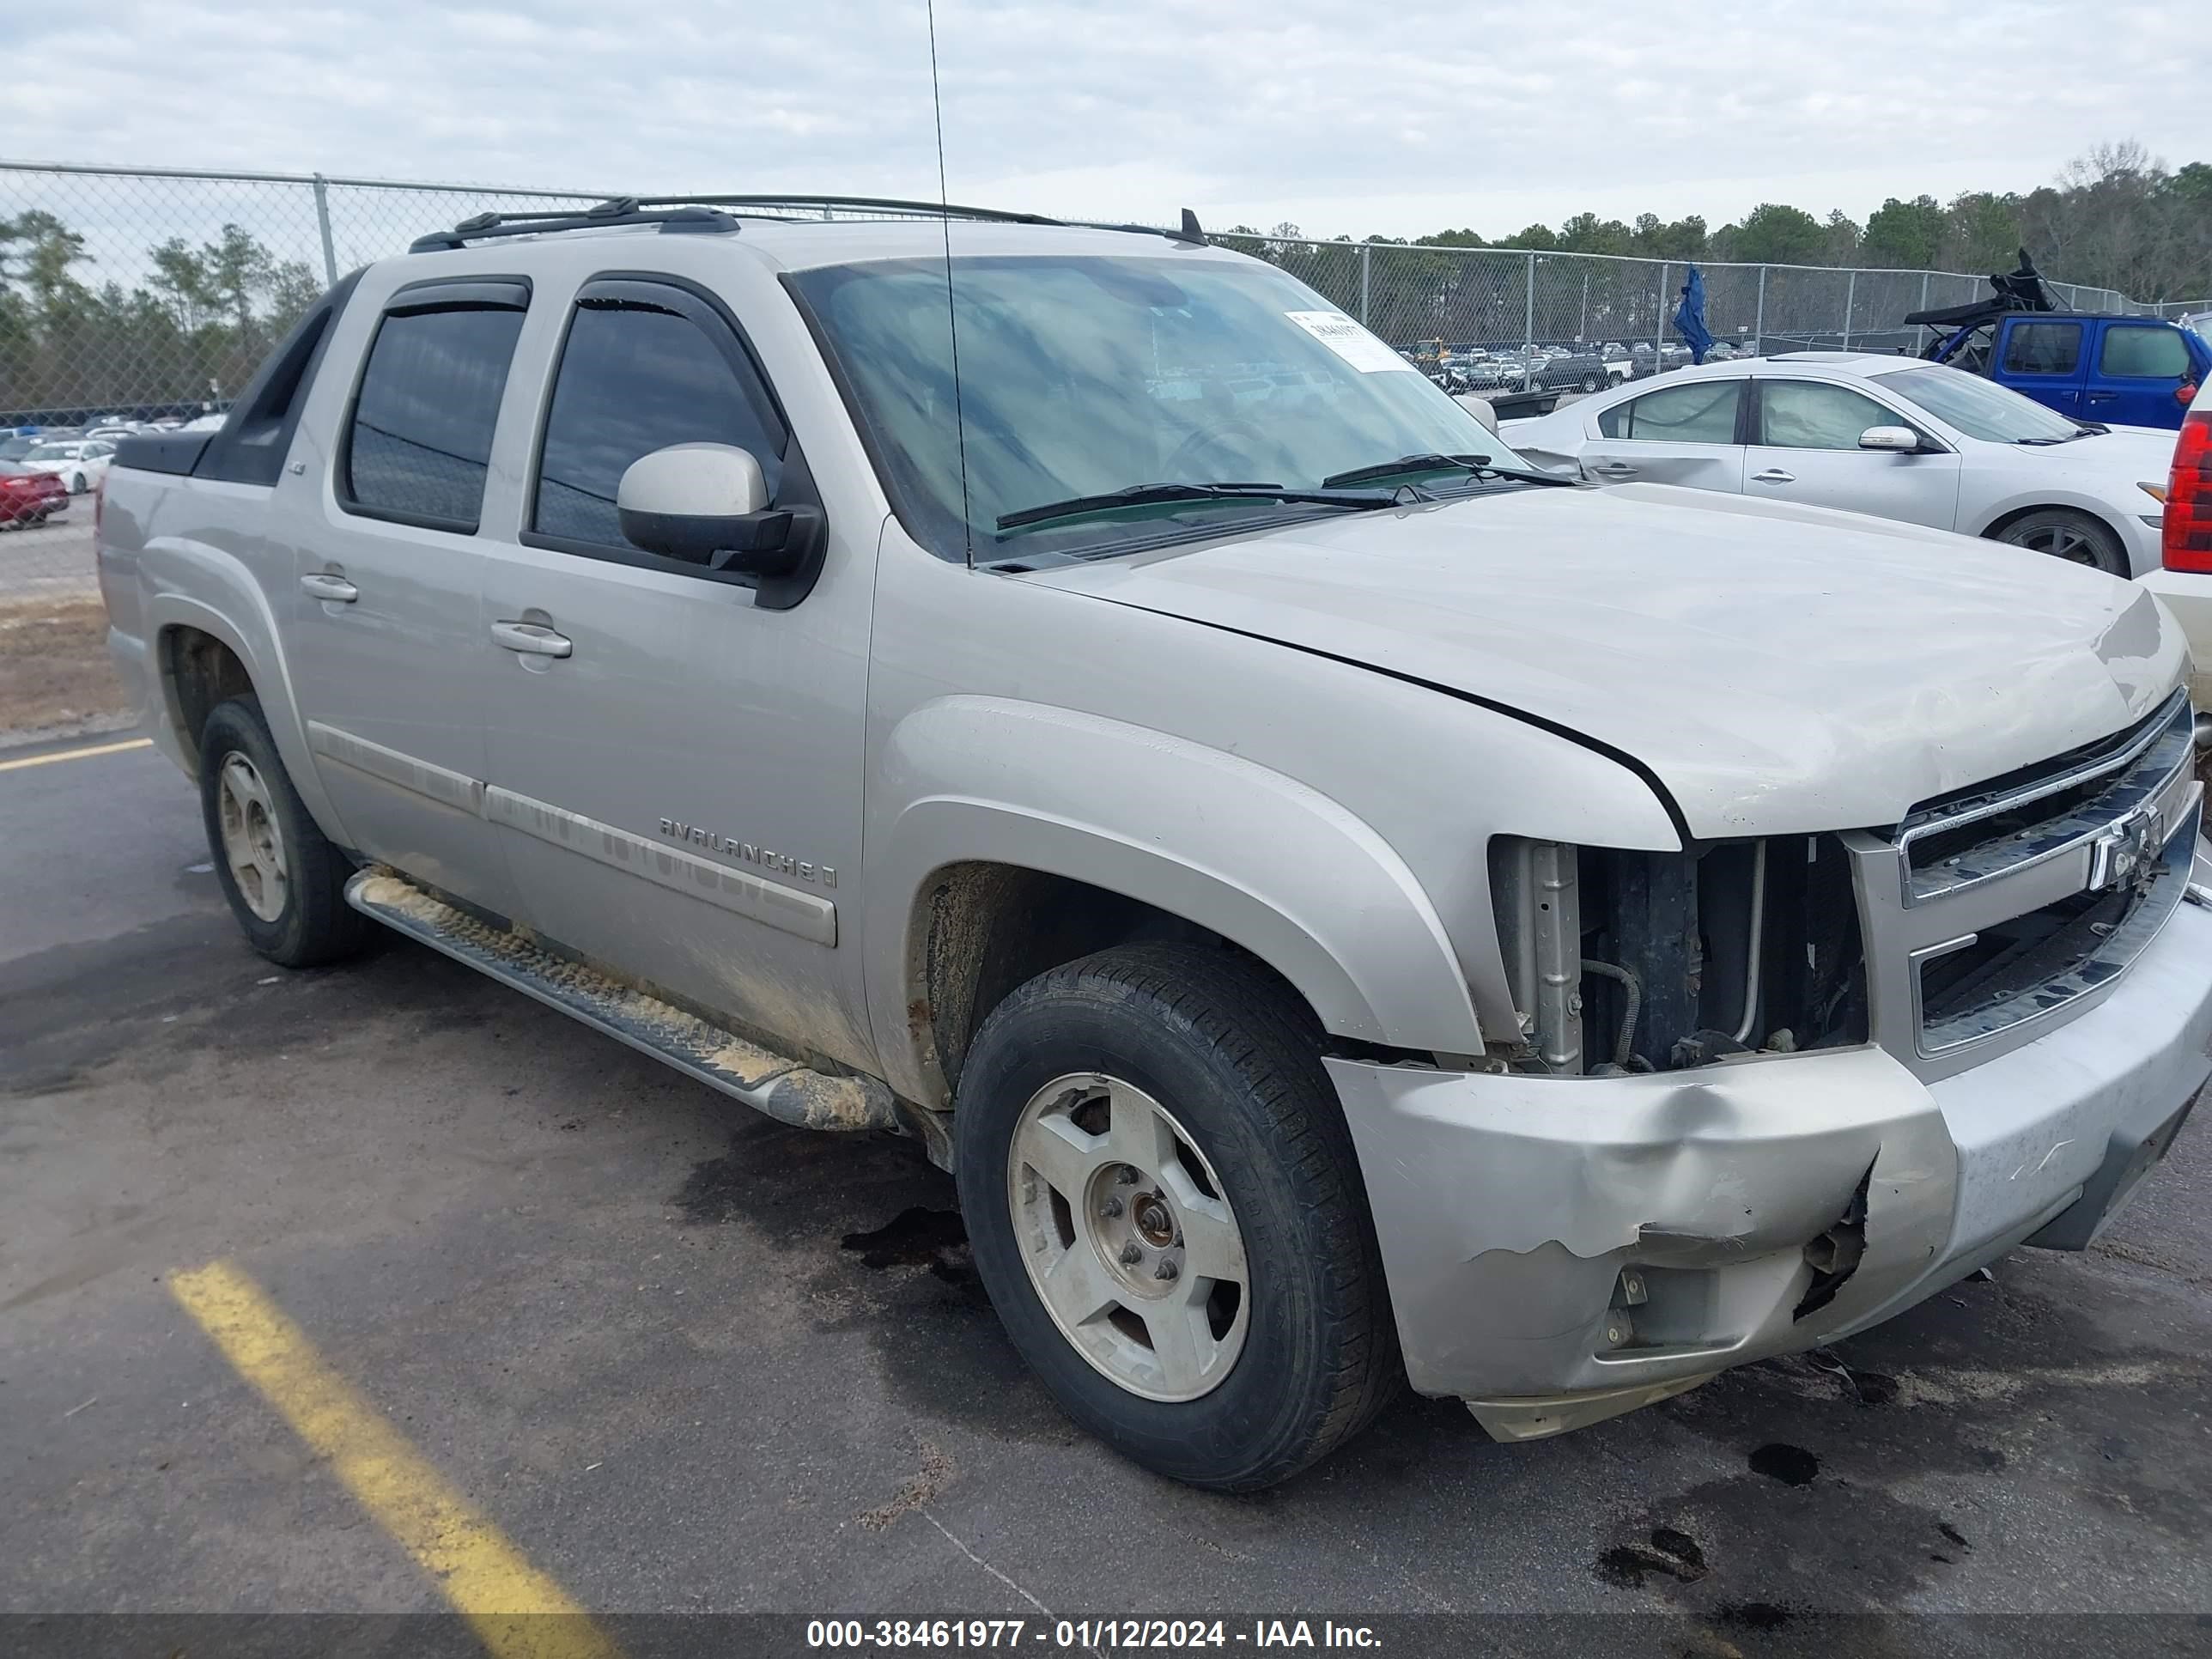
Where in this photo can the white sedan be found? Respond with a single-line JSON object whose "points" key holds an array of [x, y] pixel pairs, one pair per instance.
{"points": [[1891, 436], [80, 463]]}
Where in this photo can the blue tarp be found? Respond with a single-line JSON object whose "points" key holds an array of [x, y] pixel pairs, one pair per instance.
{"points": [[1690, 317]]}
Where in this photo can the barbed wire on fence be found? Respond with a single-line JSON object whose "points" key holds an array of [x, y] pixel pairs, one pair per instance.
{"points": [[148, 292]]}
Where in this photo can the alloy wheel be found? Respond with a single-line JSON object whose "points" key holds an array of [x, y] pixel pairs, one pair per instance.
{"points": [[1129, 1241], [253, 846]]}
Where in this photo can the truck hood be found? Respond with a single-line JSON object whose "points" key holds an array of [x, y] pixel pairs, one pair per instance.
{"points": [[1777, 669]]}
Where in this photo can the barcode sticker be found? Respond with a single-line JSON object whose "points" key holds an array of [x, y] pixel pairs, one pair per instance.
{"points": [[1349, 341]]}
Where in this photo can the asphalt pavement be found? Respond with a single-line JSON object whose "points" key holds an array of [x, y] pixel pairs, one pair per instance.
{"points": [[684, 1359]]}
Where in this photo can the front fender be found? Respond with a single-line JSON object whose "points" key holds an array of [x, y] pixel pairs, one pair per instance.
{"points": [[1255, 856]]}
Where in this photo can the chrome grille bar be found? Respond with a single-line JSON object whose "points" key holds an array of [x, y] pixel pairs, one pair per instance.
{"points": [[2123, 776]]}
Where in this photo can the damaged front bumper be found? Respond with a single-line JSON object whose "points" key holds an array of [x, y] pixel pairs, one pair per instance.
{"points": [[1561, 1249]]}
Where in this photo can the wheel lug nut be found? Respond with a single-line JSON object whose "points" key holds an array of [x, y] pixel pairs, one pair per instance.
{"points": [[1166, 1270], [1112, 1207], [1131, 1255], [1129, 1177]]}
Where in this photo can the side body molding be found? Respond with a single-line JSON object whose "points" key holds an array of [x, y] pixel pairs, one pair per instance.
{"points": [[1257, 857]]}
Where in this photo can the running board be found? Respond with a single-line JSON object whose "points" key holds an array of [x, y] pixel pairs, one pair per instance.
{"points": [[771, 1083]]}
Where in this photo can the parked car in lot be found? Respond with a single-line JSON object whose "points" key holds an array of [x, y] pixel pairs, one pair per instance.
{"points": [[80, 463], [28, 496], [1412, 915], [2144, 371], [1891, 436], [1560, 370]]}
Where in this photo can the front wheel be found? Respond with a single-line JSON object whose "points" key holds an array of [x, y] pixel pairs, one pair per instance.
{"points": [[2074, 536], [76, 484], [1166, 1209]]}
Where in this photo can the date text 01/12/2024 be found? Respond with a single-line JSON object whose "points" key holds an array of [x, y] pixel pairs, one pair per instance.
{"points": [[1085, 1633]]}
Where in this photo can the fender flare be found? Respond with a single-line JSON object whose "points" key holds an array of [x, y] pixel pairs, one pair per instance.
{"points": [[1255, 856], [238, 614]]}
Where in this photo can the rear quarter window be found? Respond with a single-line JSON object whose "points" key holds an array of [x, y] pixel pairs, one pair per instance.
{"points": [[2139, 353]]}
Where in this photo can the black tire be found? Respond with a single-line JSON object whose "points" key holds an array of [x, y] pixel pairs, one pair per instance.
{"points": [[2063, 533], [1590, 383], [314, 925], [76, 484], [1235, 1057]]}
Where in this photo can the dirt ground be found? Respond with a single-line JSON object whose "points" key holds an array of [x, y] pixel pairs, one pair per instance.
{"points": [[55, 676]]}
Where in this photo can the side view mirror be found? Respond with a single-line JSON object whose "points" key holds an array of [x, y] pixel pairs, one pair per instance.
{"points": [[1479, 408], [1901, 440], [708, 504]]}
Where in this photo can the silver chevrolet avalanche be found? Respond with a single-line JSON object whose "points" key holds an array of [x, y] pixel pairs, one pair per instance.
{"points": [[1346, 906]]}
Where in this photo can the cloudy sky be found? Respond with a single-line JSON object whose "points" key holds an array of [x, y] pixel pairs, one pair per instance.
{"points": [[1392, 119]]}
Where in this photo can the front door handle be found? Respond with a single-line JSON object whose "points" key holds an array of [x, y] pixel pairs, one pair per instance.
{"points": [[324, 586], [1614, 469], [1774, 475], [530, 639]]}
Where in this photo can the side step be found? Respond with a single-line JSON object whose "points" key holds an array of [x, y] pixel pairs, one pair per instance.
{"points": [[771, 1083]]}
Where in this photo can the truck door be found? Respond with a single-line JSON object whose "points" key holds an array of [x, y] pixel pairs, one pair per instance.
{"points": [[2043, 360], [675, 771], [2141, 368], [383, 652], [1684, 434]]}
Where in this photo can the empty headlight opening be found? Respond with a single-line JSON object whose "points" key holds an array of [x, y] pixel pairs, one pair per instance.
{"points": [[1656, 961]]}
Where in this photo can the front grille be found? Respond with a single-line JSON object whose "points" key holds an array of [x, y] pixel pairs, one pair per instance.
{"points": [[1964, 840], [2037, 963], [1998, 907]]}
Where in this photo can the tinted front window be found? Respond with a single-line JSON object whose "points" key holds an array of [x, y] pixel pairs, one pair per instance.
{"points": [[1809, 414], [2148, 353], [1979, 408], [420, 445], [2043, 348], [632, 381], [1703, 412], [1083, 375]]}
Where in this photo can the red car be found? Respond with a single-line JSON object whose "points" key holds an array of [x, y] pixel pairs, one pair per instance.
{"points": [[28, 497]]}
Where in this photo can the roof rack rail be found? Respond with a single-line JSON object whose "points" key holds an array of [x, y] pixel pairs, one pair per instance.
{"points": [[677, 214], [621, 210]]}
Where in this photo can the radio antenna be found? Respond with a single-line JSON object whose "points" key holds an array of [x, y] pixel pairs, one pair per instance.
{"points": [[951, 317]]}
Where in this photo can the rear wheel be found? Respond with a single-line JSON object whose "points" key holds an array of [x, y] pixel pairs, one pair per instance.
{"points": [[1166, 1209], [284, 879], [1590, 383], [2074, 536]]}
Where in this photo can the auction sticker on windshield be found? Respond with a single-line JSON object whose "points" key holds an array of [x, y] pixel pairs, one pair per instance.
{"points": [[1349, 341]]}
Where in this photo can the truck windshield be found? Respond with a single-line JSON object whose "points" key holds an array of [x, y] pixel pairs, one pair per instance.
{"points": [[1979, 408], [1084, 376]]}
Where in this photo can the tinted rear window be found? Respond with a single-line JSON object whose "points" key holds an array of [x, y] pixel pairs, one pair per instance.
{"points": [[420, 445]]}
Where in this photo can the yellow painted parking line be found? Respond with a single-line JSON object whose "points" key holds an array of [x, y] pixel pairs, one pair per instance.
{"points": [[516, 1611], [76, 754]]}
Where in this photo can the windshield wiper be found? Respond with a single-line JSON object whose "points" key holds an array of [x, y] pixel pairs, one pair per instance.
{"points": [[1478, 465], [1147, 494]]}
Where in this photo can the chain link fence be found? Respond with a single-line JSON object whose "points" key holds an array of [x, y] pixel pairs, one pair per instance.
{"points": [[1477, 299], [154, 293]]}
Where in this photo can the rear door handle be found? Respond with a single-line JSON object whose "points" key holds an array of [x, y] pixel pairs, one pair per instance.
{"points": [[324, 586], [1774, 475], [530, 639]]}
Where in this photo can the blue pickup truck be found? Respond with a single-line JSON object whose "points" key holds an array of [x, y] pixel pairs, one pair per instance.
{"points": [[2120, 371]]}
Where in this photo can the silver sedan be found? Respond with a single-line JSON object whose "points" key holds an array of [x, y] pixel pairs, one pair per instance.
{"points": [[1890, 436]]}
